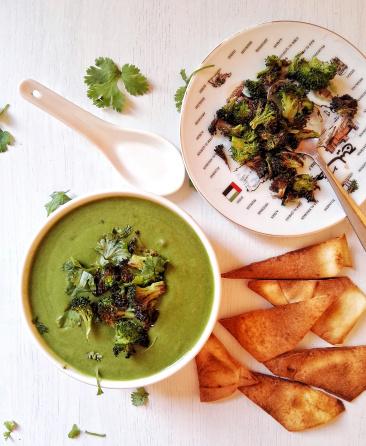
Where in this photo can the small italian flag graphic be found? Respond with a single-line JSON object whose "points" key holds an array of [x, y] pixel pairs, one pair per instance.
{"points": [[232, 191]]}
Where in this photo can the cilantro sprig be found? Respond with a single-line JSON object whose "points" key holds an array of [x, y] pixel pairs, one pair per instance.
{"points": [[6, 138], [104, 80], [57, 199], [76, 431], [10, 426], [179, 94], [140, 397]]}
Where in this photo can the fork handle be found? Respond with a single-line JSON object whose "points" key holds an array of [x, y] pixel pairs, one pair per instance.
{"points": [[352, 210]]}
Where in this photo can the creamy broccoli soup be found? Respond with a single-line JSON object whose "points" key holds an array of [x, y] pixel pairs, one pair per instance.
{"points": [[183, 309]]}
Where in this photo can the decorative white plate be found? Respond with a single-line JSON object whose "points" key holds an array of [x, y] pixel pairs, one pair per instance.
{"points": [[243, 55]]}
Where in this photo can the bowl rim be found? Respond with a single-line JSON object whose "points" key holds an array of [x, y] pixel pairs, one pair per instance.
{"points": [[37, 338]]}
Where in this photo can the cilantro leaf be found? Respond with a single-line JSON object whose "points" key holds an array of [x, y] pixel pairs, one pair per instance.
{"points": [[95, 434], [10, 427], [75, 432], [42, 328], [102, 81], [6, 139], [135, 82], [97, 376], [178, 97], [140, 397], [57, 200], [113, 247], [4, 109], [153, 268], [179, 94]]}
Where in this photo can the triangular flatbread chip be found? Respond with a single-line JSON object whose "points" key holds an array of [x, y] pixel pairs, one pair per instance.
{"points": [[322, 260], [219, 374], [338, 370], [348, 307], [338, 320], [268, 333], [296, 406]]}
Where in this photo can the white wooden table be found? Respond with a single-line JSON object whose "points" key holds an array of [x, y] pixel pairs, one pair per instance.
{"points": [[54, 41]]}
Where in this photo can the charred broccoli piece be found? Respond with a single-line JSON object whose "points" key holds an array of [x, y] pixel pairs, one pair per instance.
{"points": [[110, 310], [294, 103], [245, 148], [313, 74], [344, 105], [259, 165], [273, 70], [303, 186], [256, 89], [263, 116], [280, 185], [82, 306], [234, 112], [128, 334], [147, 295]]}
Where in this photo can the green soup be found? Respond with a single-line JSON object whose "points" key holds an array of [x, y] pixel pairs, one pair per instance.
{"points": [[184, 308]]}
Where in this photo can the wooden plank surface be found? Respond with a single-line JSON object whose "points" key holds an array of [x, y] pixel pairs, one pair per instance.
{"points": [[54, 41]]}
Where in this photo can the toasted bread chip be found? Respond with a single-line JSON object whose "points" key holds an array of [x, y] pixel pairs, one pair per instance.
{"points": [[268, 333], [338, 370], [348, 307], [323, 260], [219, 374], [296, 406], [339, 318]]}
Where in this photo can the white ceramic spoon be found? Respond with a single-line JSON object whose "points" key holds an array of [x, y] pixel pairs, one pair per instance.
{"points": [[147, 161]]}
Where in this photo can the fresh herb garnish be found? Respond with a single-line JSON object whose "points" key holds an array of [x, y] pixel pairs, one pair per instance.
{"points": [[40, 326], [95, 356], [6, 138], [140, 397], [102, 81], [57, 200], [10, 427], [179, 94], [4, 109], [75, 431], [95, 434], [121, 289], [97, 377]]}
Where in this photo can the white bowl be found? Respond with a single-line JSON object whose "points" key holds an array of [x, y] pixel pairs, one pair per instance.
{"points": [[118, 384]]}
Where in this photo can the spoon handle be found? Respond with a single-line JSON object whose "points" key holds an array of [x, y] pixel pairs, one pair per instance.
{"points": [[352, 210], [96, 130]]}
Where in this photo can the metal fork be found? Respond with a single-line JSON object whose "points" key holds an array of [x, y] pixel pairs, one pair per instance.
{"points": [[355, 216]]}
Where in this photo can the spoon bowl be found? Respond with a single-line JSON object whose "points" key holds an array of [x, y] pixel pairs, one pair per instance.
{"points": [[145, 160]]}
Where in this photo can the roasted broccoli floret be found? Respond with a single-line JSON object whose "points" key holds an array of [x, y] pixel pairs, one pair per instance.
{"points": [[82, 306], [304, 186], [259, 165], [146, 295], [110, 310], [128, 334], [344, 105], [263, 116], [291, 160], [313, 74], [245, 148], [273, 70], [256, 89], [280, 184], [234, 112], [294, 103]]}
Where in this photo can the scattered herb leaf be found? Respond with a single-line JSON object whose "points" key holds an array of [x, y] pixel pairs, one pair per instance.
{"points": [[40, 326], [75, 432], [179, 94], [57, 199], [95, 434], [94, 356], [97, 376], [4, 109], [6, 139], [140, 397], [10, 427], [102, 81]]}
